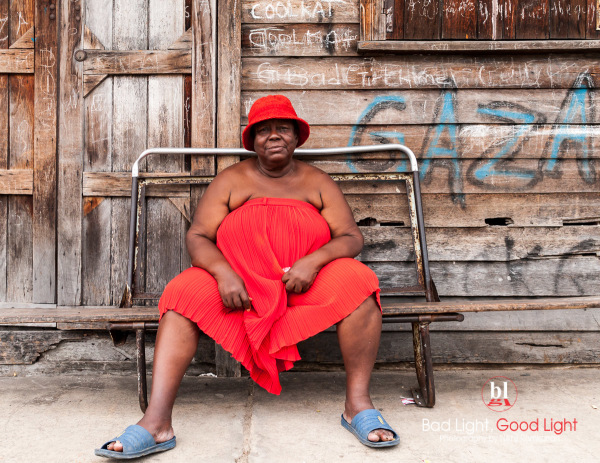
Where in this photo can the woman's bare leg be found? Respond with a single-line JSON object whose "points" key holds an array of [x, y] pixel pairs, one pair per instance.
{"points": [[358, 335], [176, 344]]}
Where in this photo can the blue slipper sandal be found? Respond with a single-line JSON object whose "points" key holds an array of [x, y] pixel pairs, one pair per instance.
{"points": [[365, 422], [137, 442]]}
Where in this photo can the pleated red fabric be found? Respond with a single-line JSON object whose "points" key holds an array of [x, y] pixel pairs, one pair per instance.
{"points": [[259, 240]]}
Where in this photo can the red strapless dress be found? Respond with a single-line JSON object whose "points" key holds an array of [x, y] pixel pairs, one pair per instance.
{"points": [[259, 240]]}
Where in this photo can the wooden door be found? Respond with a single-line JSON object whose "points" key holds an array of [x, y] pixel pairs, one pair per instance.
{"points": [[28, 111], [127, 85]]}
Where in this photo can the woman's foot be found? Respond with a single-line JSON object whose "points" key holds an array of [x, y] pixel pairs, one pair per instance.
{"points": [[160, 432], [353, 408]]}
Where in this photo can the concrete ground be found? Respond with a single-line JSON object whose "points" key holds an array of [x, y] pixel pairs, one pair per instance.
{"points": [[62, 419]]}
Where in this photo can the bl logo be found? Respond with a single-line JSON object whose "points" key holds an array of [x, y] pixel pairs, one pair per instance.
{"points": [[499, 393]]}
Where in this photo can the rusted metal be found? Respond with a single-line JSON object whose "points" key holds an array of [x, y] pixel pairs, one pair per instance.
{"points": [[430, 290], [410, 318], [140, 342], [425, 396]]}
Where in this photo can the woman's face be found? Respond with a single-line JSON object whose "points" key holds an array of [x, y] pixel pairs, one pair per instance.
{"points": [[275, 140]]}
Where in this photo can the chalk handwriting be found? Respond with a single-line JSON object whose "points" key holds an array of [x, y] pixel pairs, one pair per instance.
{"points": [[276, 39], [286, 10]]}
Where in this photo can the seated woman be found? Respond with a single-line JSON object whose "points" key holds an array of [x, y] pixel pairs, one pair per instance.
{"points": [[272, 245]]}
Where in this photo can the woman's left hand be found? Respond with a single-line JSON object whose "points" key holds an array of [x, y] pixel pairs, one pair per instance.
{"points": [[300, 277]]}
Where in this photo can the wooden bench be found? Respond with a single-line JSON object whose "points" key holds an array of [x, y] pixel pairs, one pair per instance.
{"points": [[121, 320]]}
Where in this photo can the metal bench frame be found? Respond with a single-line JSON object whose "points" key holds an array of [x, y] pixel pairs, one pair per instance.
{"points": [[425, 394]]}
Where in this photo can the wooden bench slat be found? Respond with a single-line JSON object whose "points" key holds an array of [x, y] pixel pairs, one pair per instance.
{"points": [[583, 302], [79, 316]]}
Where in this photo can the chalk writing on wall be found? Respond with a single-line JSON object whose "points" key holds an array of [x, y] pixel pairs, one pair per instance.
{"points": [[285, 10], [277, 40]]}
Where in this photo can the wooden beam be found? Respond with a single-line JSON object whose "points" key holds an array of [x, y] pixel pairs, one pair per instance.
{"points": [[229, 89], [16, 61], [105, 184], [117, 62], [70, 159], [44, 164], [4, 161], [458, 46], [16, 182]]}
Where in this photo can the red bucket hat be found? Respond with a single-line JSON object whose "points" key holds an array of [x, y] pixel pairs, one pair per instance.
{"points": [[273, 107]]}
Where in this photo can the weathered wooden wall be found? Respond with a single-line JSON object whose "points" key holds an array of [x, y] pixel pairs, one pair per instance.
{"points": [[507, 144], [508, 155]]}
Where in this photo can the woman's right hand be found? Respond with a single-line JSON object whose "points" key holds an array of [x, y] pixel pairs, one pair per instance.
{"points": [[233, 291]]}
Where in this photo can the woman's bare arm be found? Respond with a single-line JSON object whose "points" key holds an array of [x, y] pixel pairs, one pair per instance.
{"points": [[201, 239]]}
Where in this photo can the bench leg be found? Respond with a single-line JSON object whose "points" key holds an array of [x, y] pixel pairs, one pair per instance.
{"points": [[425, 396], [140, 341]]}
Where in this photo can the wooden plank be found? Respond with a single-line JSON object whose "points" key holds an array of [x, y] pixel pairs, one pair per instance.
{"points": [[19, 262], [459, 19], [299, 39], [96, 257], [523, 320], [443, 175], [476, 348], [16, 181], [422, 20], [299, 11], [530, 210], [21, 19], [229, 89], [44, 166], [489, 24], [560, 16], [4, 146], [481, 244], [16, 61], [203, 85], [367, 11], [408, 71], [475, 176], [128, 62], [475, 141], [533, 19], [464, 46], [560, 303], [576, 19], [466, 106], [130, 118], [98, 148], [70, 160], [103, 184], [576, 276], [79, 314], [592, 20], [394, 12], [509, 17], [164, 224]]}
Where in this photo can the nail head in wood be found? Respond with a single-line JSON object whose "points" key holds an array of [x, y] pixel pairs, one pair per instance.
{"points": [[80, 55]]}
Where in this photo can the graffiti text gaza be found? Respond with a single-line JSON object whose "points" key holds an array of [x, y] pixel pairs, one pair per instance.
{"points": [[573, 131]]}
